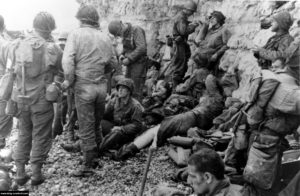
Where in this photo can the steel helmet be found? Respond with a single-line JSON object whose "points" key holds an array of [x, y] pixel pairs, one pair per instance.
{"points": [[44, 22], [1, 22], [190, 5], [89, 14], [114, 27], [127, 82], [63, 35]]}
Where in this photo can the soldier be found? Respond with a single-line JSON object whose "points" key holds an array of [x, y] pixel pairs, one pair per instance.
{"points": [[134, 55], [122, 118], [37, 60], [211, 41], [87, 54], [278, 43], [206, 175], [210, 106], [61, 106], [181, 30], [6, 121], [273, 115]]}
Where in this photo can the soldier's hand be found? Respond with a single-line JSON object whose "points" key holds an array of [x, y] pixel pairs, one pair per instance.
{"points": [[213, 58], [126, 62], [116, 128], [65, 85], [121, 58]]}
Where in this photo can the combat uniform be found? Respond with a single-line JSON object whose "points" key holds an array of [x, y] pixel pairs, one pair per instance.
{"points": [[135, 49], [271, 118], [126, 115], [277, 43], [35, 112], [181, 49], [87, 53], [214, 42], [6, 121]]}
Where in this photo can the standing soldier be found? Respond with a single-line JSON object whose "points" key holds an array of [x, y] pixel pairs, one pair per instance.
{"points": [[87, 53], [37, 60], [61, 106], [6, 121], [134, 55], [181, 31]]}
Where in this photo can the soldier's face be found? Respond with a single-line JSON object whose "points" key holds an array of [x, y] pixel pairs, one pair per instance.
{"points": [[62, 43], [123, 92], [197, 180], [213, 21], [274, 26]]}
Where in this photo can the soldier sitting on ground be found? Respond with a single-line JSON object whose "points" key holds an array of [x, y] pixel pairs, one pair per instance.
{"points": [[122, 118]]}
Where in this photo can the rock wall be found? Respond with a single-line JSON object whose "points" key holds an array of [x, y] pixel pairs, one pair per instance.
{"points": [[242, 19]]}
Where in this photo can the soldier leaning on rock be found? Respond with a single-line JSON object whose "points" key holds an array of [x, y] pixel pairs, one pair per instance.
{"points": [[278, 43]]}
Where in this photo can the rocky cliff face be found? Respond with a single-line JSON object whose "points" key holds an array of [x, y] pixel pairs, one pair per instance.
{"points": [[243, 20]]}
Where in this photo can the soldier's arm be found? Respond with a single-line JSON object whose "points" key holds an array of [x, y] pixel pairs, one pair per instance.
{"points": [[7, 53], [60, 73], [68, 59], [140, 43], [109, 110], [202, 33], [275, 54]]}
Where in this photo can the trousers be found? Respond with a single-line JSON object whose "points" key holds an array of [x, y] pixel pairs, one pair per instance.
{"points": [[35, 132], [90, 105]]}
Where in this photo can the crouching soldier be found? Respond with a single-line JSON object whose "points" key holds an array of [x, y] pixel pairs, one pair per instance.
{"points": [[122, 119], [37, 60]]}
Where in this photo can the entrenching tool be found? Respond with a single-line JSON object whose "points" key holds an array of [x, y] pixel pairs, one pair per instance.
{"points": [[24, 99], [151, 150]]}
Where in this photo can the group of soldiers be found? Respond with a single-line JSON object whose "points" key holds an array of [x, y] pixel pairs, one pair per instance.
{"points": [[117, 117]]}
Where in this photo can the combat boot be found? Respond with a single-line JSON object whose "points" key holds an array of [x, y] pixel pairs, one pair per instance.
{"points": [[89, 164], [73, 147], [37, 177], [21, 176], [125, 152]]}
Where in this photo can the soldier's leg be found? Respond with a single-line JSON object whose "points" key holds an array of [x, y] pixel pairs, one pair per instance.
{"points": [[129, 150], [85, 100], [146, 138], [106, 127], [71, 125], [42, 118], [99, 111], [6, 123], [24, 144], [57, 122], [114, 140], [137, 73], [139, 83]]}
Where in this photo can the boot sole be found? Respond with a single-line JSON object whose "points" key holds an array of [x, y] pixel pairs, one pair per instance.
{"points": [[83, 174], [22, 181], [37, 182]]}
